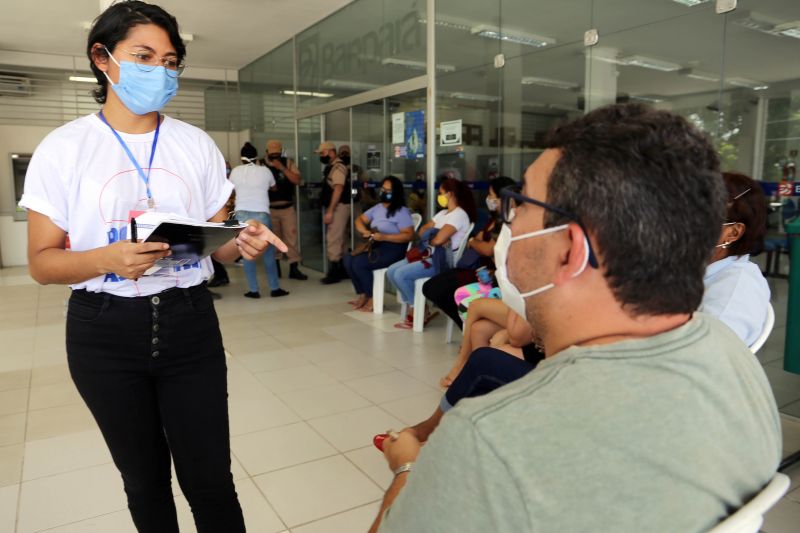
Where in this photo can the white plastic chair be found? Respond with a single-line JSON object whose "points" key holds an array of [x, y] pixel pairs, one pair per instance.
{"points": [[379, 276], [768, 325], [749, 517], [419, 297]]}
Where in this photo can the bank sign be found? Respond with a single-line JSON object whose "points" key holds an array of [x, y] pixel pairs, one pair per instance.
{"points": [[319, 59]]}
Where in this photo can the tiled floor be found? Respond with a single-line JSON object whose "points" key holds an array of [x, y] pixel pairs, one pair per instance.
{"points": [[310, 383]]}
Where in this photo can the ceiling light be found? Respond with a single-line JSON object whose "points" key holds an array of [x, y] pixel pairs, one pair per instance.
{"points": [[188, 37], [650, 62], [474, 97], [649, 98], [691, 3], [747, 84], [789, 29], [14, 156], [755, 21], [84, 79], [547, 82], [416, 65], [512, 36], [346, 84], [290, 92], [451, 23], [698, 75]]}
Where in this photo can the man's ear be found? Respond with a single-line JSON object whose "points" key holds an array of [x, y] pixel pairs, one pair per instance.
{"points": [[574, 256], [100, 57]]}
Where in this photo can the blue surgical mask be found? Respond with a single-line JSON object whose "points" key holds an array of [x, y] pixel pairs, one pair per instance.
{"points": [[142, 91]]}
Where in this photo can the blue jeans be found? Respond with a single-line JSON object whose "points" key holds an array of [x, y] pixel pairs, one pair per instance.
{"points": [[403, 275], [360, 268], [269, 255]]}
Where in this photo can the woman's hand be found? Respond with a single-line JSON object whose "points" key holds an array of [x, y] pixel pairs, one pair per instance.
{"points": [[253, 241], [377, 237], [131, 259]]}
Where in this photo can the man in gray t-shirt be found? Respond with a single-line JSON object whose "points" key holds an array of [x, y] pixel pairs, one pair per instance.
{"points": [[645, 415]]}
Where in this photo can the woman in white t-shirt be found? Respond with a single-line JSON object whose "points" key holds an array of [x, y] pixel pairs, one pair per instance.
{"points": [[145, 352], [252, 183], [453, 223]]}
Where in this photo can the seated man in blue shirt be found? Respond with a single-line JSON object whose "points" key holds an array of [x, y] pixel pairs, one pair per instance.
{"points": [[644, 413]]}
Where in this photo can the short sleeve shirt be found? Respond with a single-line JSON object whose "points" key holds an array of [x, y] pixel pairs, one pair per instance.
{"points": [[380, 221], [457, 218], [252, 183], [81, 178], [338, 173]]}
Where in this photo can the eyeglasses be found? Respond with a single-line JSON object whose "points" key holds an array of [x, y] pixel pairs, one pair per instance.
{"points": [[147, 61], [511, 197]]}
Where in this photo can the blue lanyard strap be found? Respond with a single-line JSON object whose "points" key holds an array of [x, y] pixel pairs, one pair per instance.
{"points": [[145, 178]]}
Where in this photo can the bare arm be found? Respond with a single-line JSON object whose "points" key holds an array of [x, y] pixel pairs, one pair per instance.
{"points": [[443, 235], [250, 243], [292, 172], [425, 227], [361, 226], [484, 248], [50, 263], [520, 332]]}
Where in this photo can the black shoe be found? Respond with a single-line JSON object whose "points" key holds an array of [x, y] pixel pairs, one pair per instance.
{"points": [[252, 295], [278, 263], [333, 275], [215, 295], [278, 293], [218, 282], [294, 272]]}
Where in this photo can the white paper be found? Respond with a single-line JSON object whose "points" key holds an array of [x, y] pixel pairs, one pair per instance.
{"points": [[398, 128], [450, 133]]}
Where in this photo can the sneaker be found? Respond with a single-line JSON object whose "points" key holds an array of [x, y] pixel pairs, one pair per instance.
{"points": [[278, 293], [252, 294]]}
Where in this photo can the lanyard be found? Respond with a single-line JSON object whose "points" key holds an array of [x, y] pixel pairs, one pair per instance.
{"points": [[145, 178]]}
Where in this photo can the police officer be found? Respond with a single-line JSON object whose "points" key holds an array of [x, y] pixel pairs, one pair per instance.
{"points": [[335, 200], [281, 202]]}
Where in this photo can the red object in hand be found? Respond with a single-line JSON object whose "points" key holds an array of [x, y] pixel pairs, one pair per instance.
{"points": [[377, 440]]}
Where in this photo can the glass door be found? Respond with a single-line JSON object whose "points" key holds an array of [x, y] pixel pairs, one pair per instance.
{"points": [[309, 135]]}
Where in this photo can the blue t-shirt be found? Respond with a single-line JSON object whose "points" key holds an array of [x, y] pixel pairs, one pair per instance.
{"points": [[382, 223]]}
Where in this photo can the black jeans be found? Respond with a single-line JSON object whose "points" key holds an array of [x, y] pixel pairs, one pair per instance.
{"points": [[441, 289], [488, 369], [152, 371]]}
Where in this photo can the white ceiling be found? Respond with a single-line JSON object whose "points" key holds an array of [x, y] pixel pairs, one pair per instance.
{"points": [[228, 34]]}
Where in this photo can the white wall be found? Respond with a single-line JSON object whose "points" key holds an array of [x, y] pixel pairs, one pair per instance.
{"points": [[13, 234]]}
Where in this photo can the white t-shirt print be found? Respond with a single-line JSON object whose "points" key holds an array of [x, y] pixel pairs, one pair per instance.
{"points": [[81, 178]]}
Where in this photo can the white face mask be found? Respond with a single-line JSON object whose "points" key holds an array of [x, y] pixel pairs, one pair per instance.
{"points": [[508, 292]]}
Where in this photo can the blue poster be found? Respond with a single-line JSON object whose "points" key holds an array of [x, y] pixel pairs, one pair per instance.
{"points": [[415, 135]]}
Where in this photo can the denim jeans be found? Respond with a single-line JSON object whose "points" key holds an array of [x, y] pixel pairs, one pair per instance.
{"points": [[403, 275], [268, 258], [360, 267], [152, 372], [487, 369]]}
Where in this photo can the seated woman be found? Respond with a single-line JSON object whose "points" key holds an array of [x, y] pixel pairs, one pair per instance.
{"points": [[389, 228], [452, 224], [736, 293], [441, 287]]}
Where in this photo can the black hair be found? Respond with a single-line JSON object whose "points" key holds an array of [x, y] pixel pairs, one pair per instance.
{"points": [[398, 195], [746, 204], [113, 25], [463, 196], [249, 151], [501, 182], [646, 186]]}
